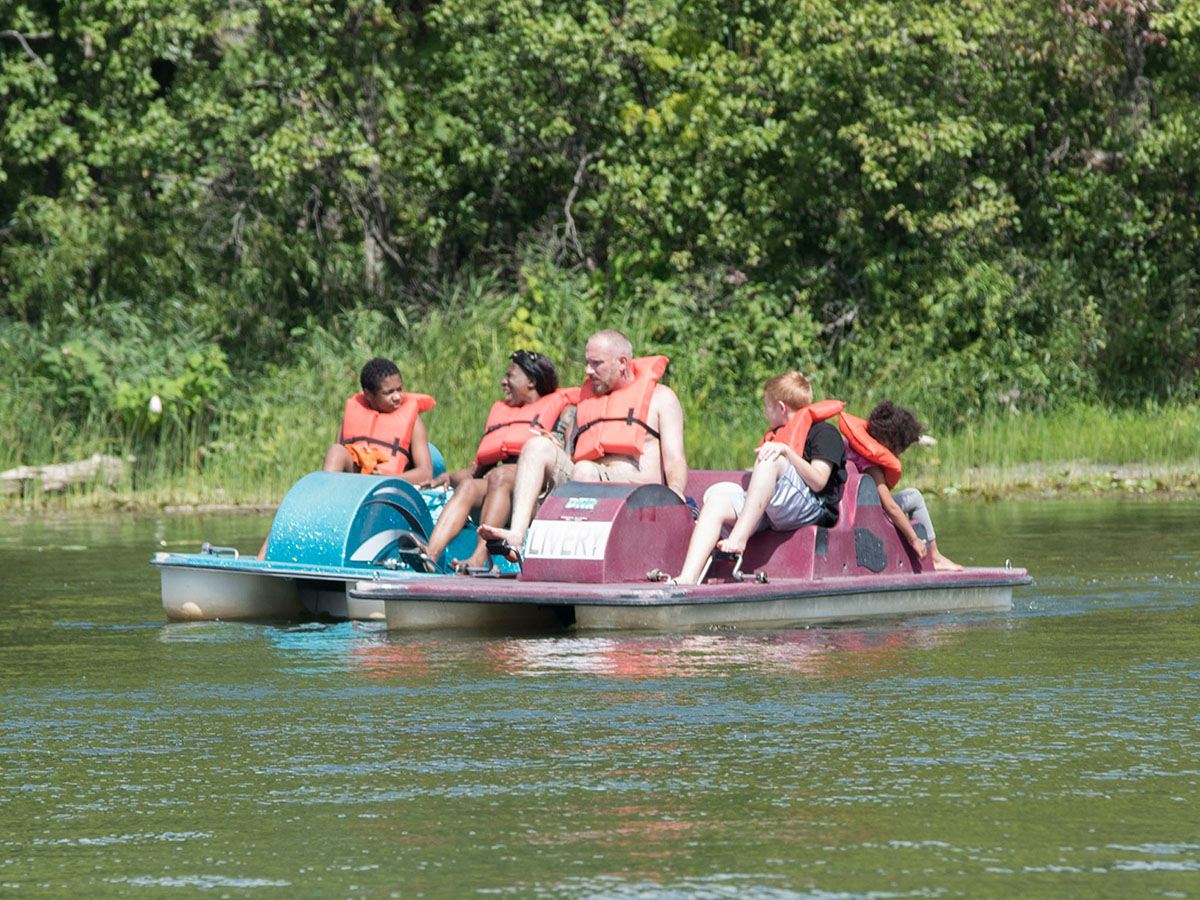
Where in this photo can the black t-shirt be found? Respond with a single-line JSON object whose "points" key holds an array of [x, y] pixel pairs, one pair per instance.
{"points": [[825, 442]]}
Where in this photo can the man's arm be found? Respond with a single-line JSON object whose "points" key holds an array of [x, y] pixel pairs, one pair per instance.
{"points": [[664, 406], [564, 429]]}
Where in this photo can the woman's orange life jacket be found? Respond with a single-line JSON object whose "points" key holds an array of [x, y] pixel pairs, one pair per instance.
{"points": [[795, 430], [615, 424], [854, 430], [368, 427], [509, 427]]}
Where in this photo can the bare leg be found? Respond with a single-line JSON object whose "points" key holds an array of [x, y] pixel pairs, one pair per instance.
{"points": [[716, 513], [763, 479], [534, 467], [585, 471], [497, 504], [338, 459], [468, 495], [942, 563]]}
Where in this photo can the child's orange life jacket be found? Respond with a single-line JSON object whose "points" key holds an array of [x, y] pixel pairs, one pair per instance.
{"points": [[368, 427], [794, 432], [854, 430]]}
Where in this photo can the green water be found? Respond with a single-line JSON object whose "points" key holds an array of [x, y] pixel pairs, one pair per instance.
{"points": [[1049, 752]]}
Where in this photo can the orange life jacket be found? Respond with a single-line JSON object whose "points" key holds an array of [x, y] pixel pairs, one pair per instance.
{"points": [[509, 427], [392, 431], [795, 430], [854, 430], [615, 424]]}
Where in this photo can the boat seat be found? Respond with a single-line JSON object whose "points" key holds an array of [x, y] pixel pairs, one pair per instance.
{"points": [[863, 533]]}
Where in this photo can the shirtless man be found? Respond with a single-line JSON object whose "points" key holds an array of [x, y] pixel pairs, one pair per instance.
{"points": [[544, 465]]}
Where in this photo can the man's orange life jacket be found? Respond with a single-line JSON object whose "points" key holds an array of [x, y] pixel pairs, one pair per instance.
{"points": [[509, 427], [794, 432], [854, 430], [368, 427], [615, 424]]}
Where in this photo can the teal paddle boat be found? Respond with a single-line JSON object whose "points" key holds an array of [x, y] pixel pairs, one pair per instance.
{"points": [[331, 531]]}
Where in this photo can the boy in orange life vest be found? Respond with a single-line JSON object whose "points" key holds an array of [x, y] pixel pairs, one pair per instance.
{"points": [[382, 432], [897, 429], [796, 480]]}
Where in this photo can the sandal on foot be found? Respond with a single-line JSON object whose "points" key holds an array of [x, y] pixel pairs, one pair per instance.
{"points": [[501, 547]]}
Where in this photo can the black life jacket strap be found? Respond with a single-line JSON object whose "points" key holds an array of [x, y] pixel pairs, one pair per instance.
{"points": [[628, 419], [492, 428]]}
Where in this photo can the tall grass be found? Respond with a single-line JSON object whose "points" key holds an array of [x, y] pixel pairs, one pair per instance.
{"points": [[264, 429], [1083, 446]]}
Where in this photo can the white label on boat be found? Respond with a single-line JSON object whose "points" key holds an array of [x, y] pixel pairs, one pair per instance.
{"points": [[567, 540], [580, 503]]}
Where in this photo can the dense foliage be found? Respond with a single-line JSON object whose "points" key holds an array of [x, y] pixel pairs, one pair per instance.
{"points": [[969, 206]]}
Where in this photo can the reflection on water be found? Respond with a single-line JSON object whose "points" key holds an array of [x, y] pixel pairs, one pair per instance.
{"points": [[1043, 752], [826, 652]]}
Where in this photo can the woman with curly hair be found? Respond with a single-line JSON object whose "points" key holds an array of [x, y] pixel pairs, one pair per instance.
{"points": [[875, 447]]}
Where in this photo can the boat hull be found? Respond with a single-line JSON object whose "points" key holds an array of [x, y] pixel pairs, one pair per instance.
{"points": [[196, 594], [798, 609], [436, 614], [423, 602], [199, 587]]}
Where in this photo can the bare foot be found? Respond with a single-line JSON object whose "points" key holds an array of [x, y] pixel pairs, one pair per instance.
{"points": [[944, 564], [729, 545], [478, 560], [492, 533], [502, 541]]}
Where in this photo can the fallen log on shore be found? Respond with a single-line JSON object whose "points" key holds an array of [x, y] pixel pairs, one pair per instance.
{"points": [[55, 477]]}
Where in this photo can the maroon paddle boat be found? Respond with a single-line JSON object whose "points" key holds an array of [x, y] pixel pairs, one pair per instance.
{"points": [[595, 556]]}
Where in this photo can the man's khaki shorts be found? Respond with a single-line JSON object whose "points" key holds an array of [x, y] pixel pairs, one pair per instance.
{"points": [[560, 475], [618, 470]]}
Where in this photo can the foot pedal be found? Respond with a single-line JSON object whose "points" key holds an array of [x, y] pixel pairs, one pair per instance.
{"points": [[721, 555], [489, 572], [737, 574], [737, 567], [659, 576], [412, 552]]}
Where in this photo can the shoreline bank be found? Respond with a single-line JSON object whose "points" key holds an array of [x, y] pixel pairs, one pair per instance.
{"points": [[1075, 479]]}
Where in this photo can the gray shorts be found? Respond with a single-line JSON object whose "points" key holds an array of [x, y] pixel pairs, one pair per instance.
{"points": [[792, 506]]}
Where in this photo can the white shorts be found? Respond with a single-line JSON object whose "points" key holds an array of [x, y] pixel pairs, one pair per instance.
{"points": [[792, 506]]}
